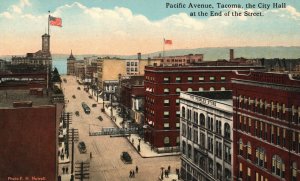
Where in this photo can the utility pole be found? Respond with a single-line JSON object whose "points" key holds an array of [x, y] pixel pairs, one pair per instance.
{"points": [[67, 116], [74, 137], [82, 170]]}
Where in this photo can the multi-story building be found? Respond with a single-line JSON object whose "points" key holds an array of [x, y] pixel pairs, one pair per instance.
{"points": [[71, 64], [206, 135], [266, 130], [180, 60], [162, 87], [28, 136]]}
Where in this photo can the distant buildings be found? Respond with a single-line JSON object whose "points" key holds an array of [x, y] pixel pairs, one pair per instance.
{"points": [[266, 130], [180, 60], [163, 85], [206, 135]]}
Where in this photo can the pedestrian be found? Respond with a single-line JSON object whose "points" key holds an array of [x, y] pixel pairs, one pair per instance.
{"points": [[132, 141], [67, 169], [63, 169], [132, 173], [169, 168], [166, 173], [91, 155], [137, 169]]}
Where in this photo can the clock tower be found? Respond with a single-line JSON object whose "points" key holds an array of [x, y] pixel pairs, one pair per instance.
{"points": [[46, 43]]}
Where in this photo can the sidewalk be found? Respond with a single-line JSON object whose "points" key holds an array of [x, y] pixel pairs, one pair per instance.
{"points": [[145, 149]]}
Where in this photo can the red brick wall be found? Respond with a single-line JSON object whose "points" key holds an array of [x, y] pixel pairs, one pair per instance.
{"points": [[28, 143]]}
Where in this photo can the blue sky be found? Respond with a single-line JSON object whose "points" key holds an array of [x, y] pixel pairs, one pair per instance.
{"points": [[130, 26]]}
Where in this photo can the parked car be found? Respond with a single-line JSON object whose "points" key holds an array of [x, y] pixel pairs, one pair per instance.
{"points": [[90, 97], [94, 105], [78, 88], [74, 97], [77, 113], [82, 147], [126, 158]]}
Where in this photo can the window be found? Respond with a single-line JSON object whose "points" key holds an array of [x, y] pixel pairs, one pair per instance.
{"points": [[177, 101], [201, 89], [227, 153], [190, 90], [178, 79], [178, 90], [219, 172], [166, 114], [248, 174], [166, 141], [202, 120], [183, 129], [211, 89], [294, 171], [223, 89], [218, 127], [212, 78], [177, 140], [227, 174], [202, 140], [218, 149], [241, 147], [210, 166], [223, 78], [227, 131], [177, 125], [195, 136], [166, 125], [166, 102], [183, 147], [210, 144], [166, 79], [189, 151], [278, 167], [201, 78], [177, 114], [190, 79], [166, 91], [183, 112], [261, 157], [249, 151], [241, 171]]}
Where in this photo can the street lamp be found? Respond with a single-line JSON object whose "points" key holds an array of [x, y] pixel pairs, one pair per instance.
{"points": [[162, 173]]}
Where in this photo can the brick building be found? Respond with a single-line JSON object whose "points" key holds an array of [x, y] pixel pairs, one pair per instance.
{"points": [[28, 136], [266, 117], [162, 88]]}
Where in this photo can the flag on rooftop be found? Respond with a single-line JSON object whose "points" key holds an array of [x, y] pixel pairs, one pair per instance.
{"points": [[168, 42], [54, 21]]}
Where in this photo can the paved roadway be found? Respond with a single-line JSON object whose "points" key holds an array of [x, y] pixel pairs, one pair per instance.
{"points": [[106, 164]]}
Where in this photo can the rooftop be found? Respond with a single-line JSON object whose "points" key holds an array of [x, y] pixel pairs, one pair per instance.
{"points": [[224, 97], [8, 97]]}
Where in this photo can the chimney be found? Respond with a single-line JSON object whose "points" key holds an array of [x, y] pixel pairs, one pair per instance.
{"points": [[231, 52], [139, 56]]}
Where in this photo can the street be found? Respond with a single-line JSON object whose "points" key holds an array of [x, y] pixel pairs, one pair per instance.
{"points": [[105, 163]]}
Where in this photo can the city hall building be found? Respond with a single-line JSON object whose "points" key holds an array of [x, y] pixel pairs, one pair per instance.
{"points": [[206, 135]]}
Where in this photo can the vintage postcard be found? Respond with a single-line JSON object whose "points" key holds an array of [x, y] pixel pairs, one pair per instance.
{"points": [[118, 90]]}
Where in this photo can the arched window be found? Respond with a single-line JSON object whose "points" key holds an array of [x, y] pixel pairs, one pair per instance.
{"points": [[167, 141], [201, 89], [227, 131], [183, 147], [211, 89], [294, 171], [278, 167], [177, 140], [241, 147], [183, 112], [190, 90], [249, 150], [223, 89], [202, 120], [178, 90], [261, 157]]}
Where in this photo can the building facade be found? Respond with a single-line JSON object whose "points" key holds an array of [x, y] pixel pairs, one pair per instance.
{"points": [[266, 117], [180, 60], [206, 135], [162, 88], [71, 64]]}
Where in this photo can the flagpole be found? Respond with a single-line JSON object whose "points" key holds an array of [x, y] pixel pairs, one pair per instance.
{"points": [[163, 48], [48, 23]]}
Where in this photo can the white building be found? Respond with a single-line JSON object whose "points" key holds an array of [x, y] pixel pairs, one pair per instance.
{"points": [[206, 135]]}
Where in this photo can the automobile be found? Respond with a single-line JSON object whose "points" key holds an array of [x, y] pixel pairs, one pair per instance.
{"points": [[74, 97], [86, 108], [78, 88], [126, 158], [77, 113], [94, 105], [100, 118], [90, 97], [82, 147]]}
